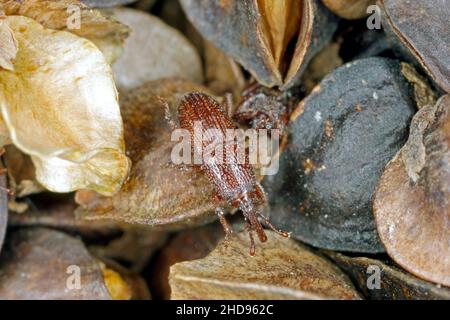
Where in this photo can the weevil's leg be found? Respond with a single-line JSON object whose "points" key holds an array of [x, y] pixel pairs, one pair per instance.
{"points": [[225, 225], [168, 114], [2, 151], [260, 194], [252, 241], [257, 227], [266, 221]]}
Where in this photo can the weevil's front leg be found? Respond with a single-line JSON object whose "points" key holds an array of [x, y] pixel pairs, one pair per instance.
{"points": [[225, 225]]}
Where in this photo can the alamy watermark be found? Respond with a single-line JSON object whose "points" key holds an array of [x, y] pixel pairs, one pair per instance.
{"points": [[73, 21], [374, 20], [73, 281], [374, 277]]}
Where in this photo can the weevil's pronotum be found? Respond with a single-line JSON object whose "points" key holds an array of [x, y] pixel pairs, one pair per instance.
{"points": [[233, 180]]}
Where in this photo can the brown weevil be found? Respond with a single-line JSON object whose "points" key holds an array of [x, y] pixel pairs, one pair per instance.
{"points": [[234, 181]]}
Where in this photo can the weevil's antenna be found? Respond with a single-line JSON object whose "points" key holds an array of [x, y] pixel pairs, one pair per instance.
{"points": [[167, 113]]}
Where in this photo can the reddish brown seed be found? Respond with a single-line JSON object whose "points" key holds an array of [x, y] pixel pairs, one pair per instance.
{"points": [[234, 180]]}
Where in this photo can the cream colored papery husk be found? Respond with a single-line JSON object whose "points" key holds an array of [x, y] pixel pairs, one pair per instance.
{"points": [[60, 106]]}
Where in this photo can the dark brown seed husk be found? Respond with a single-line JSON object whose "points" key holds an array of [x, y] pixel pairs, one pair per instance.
{"points": [[129, 244], [395, 283], [135, 247], [340, 139], [58, 212], [233, 27], [349, 9], [423, 28], [359, 42], [36, 265], [280, 269], [186, 246], [412, 201], [241, 29]]}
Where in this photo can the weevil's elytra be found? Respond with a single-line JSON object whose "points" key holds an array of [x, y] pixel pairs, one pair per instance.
{"points": [[234, 181]]}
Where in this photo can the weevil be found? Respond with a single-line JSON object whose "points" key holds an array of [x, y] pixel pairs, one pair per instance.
{"points": [[234, 181]]}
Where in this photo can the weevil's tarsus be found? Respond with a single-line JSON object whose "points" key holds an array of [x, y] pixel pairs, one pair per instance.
{"points": [[252, 240], [253, 218], [268, 224]]}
